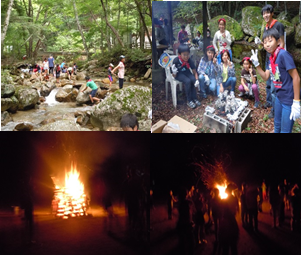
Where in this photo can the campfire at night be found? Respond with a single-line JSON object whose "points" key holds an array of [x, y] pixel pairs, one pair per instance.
{"points": [[70, 200], [222, 190]]}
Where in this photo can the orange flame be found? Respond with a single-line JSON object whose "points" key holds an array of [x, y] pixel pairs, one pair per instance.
{"points": [[222, 190]]}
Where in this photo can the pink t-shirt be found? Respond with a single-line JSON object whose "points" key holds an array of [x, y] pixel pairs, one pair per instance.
{"points": [[121, 70]]}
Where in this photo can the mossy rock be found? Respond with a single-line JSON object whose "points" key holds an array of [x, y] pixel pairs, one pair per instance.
{"points": [[132, 99], [251, 39], [231, 25], [298, 36], [251, 20], [295, 20]]}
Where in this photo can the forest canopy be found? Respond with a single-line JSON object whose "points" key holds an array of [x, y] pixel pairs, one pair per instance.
{"points": [[73, 25]]}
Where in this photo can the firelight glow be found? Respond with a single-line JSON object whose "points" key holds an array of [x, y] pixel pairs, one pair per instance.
{"points": [[222, 190], [73, 186], [70, 201]]}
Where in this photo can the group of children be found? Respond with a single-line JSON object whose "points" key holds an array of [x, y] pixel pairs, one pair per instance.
{"points": [[216, 73]]}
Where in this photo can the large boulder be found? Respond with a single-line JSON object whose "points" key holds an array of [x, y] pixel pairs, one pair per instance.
{"points": [[231, 25], [81, 76], [27, 97], [7, 90], [62, 125], [289, 30], [107, 81], [295, 20], [14, 106], [9, 104], [24, 126], [5, 118], [132, 99], [298, 36], [66, 94], [251, 20], [46, 89]]}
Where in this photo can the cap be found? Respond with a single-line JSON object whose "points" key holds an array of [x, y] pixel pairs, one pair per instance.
{"points": [[122, 56], [111, 65]]}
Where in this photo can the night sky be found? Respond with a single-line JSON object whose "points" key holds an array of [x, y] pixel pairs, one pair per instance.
{"points": [[29, 159], [249, 158]]}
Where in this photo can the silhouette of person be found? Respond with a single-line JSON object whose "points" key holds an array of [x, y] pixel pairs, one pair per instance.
{"points": [[185, 225], [295, 208], [229, 232], [216, 211], [251, 201], [243, 203], [275, 203], [171, 200]]}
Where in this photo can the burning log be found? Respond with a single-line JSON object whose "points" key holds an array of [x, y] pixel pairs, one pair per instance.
{"points": [[70, 200]]}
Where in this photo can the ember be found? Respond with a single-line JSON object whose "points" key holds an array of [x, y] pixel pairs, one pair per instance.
{"points": [[70, 200]]}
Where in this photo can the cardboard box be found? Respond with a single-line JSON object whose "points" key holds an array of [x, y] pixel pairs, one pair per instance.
{"points": [[185, 126]]}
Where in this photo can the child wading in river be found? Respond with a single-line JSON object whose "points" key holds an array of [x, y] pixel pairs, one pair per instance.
{"points": [[249, 84], [110, 73], [91, 84], [285, 78], [121, 71]]}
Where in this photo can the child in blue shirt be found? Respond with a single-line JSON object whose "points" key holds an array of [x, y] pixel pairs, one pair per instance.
{"points": [[285, 78], [181, 71], [207, 72], [225, 74]]}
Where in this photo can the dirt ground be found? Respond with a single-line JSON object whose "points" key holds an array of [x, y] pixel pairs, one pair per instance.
{"points": [[94, 234], [164, 110], [267, 240]]}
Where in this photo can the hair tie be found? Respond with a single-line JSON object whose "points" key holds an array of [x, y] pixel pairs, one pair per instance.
{"points": [[210, 46], [222, 19]]}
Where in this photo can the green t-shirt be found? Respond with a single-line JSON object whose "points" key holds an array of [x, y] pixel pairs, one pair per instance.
{"points": [[225, 73], [92, 85]]}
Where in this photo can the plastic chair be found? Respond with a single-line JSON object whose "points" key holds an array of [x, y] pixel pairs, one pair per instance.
{"points": [[173, 82]]}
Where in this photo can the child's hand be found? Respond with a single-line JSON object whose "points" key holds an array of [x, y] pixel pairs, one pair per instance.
{"points": [[221, 89], [246, 88], [295, 110], [250, 70], [254, 58], [224, 35], [214, 59], [229, 62]]}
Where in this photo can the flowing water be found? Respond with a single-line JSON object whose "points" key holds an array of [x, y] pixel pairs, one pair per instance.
{"points": [[51, 109]]}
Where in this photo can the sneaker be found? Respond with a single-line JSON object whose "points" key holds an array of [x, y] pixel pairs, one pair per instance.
{"points": [[271, 115], [191, 104], [267, 105], [197, 102], [241, 94], [232, 94], [204, 96], [256, 105]]}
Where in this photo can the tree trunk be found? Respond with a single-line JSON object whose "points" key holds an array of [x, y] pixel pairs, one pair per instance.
{"points": [[208, 12], [277, 5], [300, 13], [80, 29], [229, 8], [285, 7], [110, 26], [143, 20], [3, 34], [142, 37]]}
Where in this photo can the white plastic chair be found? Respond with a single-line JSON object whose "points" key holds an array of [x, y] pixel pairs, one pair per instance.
{"points": [[173, 82]]}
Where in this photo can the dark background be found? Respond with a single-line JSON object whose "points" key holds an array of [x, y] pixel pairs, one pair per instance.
{"points": [[249, 158], [29, 160]]}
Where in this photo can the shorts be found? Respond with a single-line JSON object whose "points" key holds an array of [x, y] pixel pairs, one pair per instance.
{"points": [[93, 92], [110, 78], [58, 75]]}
